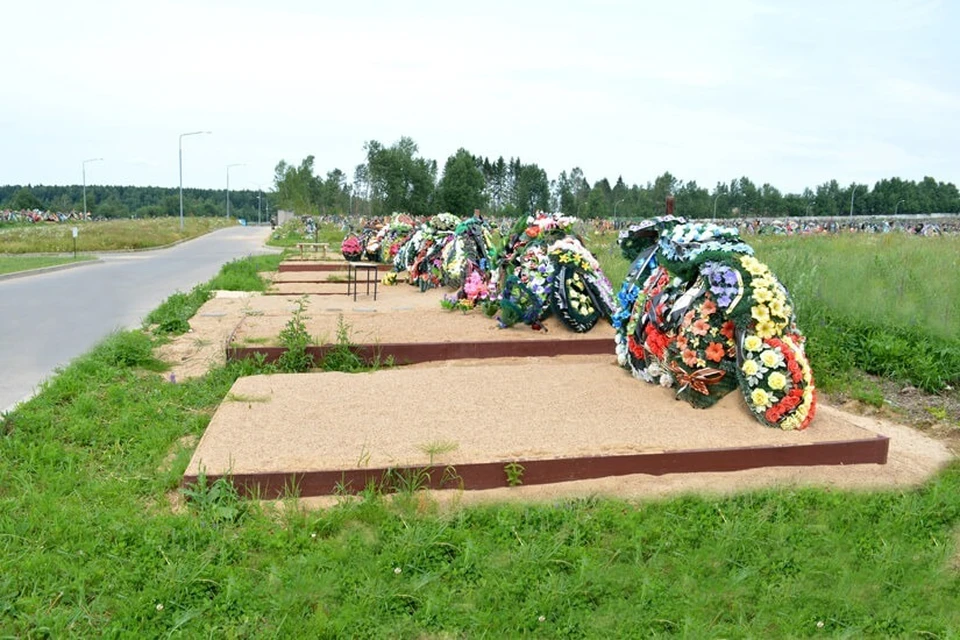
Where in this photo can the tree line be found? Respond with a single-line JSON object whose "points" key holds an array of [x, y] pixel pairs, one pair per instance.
{"points": [[141, 202], [397, 178]]}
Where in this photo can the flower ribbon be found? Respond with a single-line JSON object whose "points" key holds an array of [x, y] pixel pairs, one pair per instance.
{"points": [[697, 380]]}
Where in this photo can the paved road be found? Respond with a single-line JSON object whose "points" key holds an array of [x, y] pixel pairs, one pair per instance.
{"points": [[46, 320]]}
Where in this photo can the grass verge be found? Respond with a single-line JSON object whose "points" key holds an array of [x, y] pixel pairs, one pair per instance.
{"points": [[107, 235], [14, 264]]}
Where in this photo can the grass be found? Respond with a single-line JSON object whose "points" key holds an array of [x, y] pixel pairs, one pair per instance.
{"points": [[290, 233], [90, 546], [172, 317], [13, 264], [108, 235], [244, 274]]}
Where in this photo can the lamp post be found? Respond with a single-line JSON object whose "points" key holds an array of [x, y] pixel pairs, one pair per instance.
{"points": [[238, 164], [615, 204], [84, 168], [180, 146], [715, 206], [853, 193], [898, 206]]}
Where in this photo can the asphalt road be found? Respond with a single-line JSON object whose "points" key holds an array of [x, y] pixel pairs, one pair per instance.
{"points": [[48, 319]]}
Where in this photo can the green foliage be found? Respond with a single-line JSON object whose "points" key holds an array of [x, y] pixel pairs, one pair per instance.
{"points": [[129, 349], [514, 472], [113, 201], [342, 355], [295, 338], [172, 317], [244, 274], [460, 190], [217, 502], [24, 199], [399, 180]]}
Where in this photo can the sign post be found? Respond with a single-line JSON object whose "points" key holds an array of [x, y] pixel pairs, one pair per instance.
{"points": [[76, 232]]}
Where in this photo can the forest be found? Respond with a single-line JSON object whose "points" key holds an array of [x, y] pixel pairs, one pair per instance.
{"points": [[140, 202], [397, 178]]}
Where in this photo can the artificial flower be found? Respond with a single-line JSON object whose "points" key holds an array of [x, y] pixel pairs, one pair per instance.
{"points": [[760, 399], [777, 381], [760, 313], [715, 352], [752, 343], [771, 358]]}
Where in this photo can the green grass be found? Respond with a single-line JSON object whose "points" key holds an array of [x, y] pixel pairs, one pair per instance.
{"points": [[108, 235], [90, 547], [13, 264], [244, 274], [901, 279], [172, 317], [294, 231]]}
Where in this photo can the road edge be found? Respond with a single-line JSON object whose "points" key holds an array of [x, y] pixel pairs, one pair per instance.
{"points": [[59, 267]]}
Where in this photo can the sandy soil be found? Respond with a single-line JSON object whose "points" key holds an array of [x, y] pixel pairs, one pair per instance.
{"points": [[582, 406], [400, 314], [623, 415], [194, 353]]}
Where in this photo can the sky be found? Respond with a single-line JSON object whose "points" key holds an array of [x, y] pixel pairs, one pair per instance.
{"points": [[788, 93]]}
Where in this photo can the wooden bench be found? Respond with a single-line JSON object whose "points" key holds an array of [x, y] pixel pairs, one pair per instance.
{"points": [[322, 247]]}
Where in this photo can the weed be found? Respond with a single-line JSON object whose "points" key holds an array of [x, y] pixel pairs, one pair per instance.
{"points": [[438, 448], [172, 317], [295, 338], [406, 480], [341, 357], [514, 471], [364, 459], [216, 502], [938, 413]]}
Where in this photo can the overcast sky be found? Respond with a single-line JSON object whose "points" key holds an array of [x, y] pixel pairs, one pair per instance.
{"points": [[790, 93]]}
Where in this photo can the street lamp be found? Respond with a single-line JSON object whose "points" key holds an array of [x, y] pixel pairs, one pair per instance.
{"points": [[897, 207], [615, 204], [715, 206], [238, 164], [84, 167], [853, 193], [180, 145]]}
